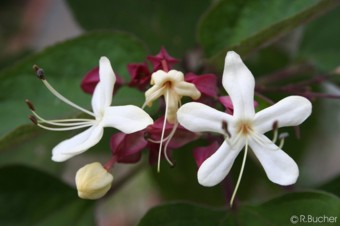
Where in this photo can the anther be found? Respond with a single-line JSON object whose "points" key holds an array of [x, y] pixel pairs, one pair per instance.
{"points": [[39, 72], [30, 105], [275, 125], [33, 119], [225, 128], [282, 137], [275, 129]]}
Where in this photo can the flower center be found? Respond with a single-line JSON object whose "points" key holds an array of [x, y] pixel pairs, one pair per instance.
{"points": [[168, 84], [244, 127]]}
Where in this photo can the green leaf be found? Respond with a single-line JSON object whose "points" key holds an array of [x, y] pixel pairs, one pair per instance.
{"points": [[31, 197], [180, 182], [281, 210], [159, 23], [320, 43], [244, 26], [182, 214], [278, 212], [332, 186], [65, 64]]}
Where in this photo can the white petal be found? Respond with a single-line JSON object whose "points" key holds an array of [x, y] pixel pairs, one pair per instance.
{"points": [[128, 119], [239, 82], [279, 167], [216, 167], [160, 77], [290, 111], [102, 95], [187, 89], [77, 144], [153, 93], [198, 117]]}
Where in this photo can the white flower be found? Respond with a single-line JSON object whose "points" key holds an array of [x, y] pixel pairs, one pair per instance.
{"points": [[173, 87], [93, 181], [245, 128], [127, 119]]}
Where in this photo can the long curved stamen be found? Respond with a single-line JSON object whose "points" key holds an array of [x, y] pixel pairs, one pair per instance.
{"points": [[172, 133], [41, 76], [62, 122], [59, 122], [64, 99], [163, 130], [157, 141], [63, 129], [241, 173], [66, 127]]}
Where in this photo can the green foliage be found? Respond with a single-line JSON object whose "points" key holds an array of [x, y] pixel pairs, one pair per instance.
{"points": [[31, 197], [244, 26], [332, 186], [159, 23], [65, 64], [319, 44], [278, 211], [180, 182]]}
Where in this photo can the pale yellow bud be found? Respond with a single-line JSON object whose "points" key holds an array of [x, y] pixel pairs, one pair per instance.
{"points": [[93, 181]]}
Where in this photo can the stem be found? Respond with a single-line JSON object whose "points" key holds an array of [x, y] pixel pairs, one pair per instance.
{"points": [[109, 164], [263, 97], [285, 73]]}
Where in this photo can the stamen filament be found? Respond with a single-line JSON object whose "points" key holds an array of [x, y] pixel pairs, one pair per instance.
{"points": [[64, 99], [282, 142], [163, 130], [63, 122], [241, 173], [282, 139], [157, 141], [172, 133], [275, 136], [63, 129], [275, 129]]}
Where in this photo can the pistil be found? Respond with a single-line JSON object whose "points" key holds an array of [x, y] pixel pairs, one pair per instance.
{"points": [[241, 173]]}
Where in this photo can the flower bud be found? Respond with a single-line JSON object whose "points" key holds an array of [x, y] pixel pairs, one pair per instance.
{"points": [[93, 181]]}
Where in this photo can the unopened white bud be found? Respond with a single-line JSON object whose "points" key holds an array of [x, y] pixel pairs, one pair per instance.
{"points": [[93, 181]]}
